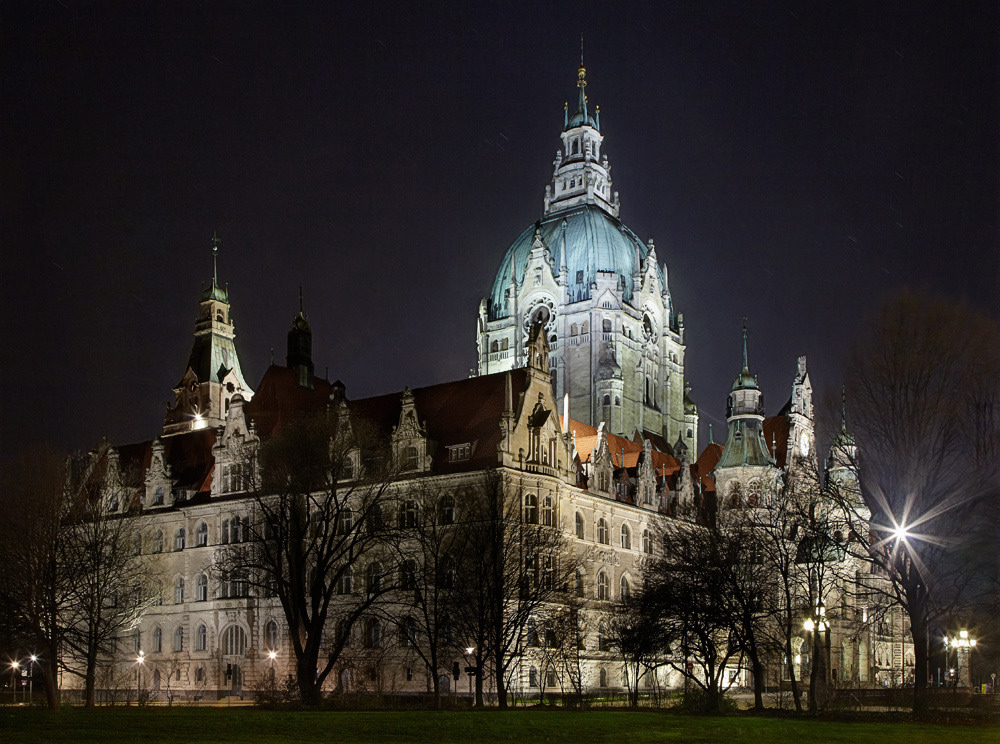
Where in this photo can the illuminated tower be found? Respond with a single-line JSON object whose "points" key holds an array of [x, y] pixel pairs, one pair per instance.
{"points": [[601, 294], [213, 375]]}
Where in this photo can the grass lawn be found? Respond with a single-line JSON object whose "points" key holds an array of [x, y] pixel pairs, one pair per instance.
{"points": [[216, 725]]}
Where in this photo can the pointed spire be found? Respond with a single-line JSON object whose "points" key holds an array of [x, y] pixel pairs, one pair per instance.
{"points": [[215, 258], [563, 268], [300, 300], [711, 439], [746, 365]]}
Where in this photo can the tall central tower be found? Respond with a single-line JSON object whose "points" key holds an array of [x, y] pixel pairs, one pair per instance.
{"points": [[617, 344]]}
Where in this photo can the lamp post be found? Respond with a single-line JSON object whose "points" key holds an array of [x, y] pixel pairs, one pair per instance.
{"points": [[31, 679], [816, 626], [471, 669], [15, 677], [963, 646], [139, 661]]}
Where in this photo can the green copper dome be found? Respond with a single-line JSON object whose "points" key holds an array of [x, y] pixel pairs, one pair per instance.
{"points": [[595, 241]]}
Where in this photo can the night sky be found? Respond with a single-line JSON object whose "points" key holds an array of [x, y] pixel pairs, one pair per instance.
{"points": [[793, 161]]}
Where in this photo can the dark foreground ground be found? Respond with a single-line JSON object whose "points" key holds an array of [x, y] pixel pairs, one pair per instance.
{"points": [[108, 725]]}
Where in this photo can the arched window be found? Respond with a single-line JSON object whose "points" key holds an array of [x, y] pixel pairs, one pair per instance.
{"points": [[531, 638], [647, 542], [532, 677], [343, 630], [626, 589], [547, 515], [603, 677], [603, 586], [504, 344], [626, 537], [347, 468], [345, 522], [550, 677], [602, 531], [201, 536], [201, 588], [579, 584], [158, 496], [408, 575], [225, 531], [201, 639], [179, 539], [157, 640], [607, 400], [271, 635], [494, 346], [531, 509], [373, 577], [606, 325], [345, 584], [574, 330], [234, 641], [158, 542], [373, 633], [408, 632], [408, 514], [448, 510], [585, 327], [179, 638], [179, 590], [410, 456], [579, 525], [137, 544]]}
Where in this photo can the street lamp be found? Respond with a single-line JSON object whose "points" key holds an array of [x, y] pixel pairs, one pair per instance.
{"points": [[31, 678], [815, 626], [139, 661], [15, 676], [471, 669], [963, 644]]}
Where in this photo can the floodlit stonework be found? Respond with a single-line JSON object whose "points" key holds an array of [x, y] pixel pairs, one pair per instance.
{"points": [[580, 407]]}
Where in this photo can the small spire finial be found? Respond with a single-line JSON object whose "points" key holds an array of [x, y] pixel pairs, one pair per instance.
{"points": [[843, 408], [711, 439], [300, 299], [746, 365], [215, 258]]}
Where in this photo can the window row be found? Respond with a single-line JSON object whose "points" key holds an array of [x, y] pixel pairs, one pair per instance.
{"points": [[232, 584], [234, 530], [602, 587], [234, 640], [603, 534]]}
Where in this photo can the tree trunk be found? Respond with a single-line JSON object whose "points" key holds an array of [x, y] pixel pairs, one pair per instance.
{"points": [[90, 680], [50, 673], [918, 629], [790, 663], [758, 683], [501, 683], [479, 680], [309, 691]]}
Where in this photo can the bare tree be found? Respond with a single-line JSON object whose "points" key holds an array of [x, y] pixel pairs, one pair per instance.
{"points": [[923, 398], [631, 637], [516, 569], [102, 554], [317, 490], [34, 586], [428, 550], [686, 600]]}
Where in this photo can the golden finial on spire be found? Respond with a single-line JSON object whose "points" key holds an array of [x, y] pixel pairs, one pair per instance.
{"points": [[582, 74]]}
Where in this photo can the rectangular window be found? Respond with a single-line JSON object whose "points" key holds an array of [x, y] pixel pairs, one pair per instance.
{"points": [[579, 277], [459, 452]]}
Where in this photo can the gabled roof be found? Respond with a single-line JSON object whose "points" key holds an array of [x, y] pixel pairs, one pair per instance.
{"points": [[459, 412], [702, 468], [188, 457]]}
